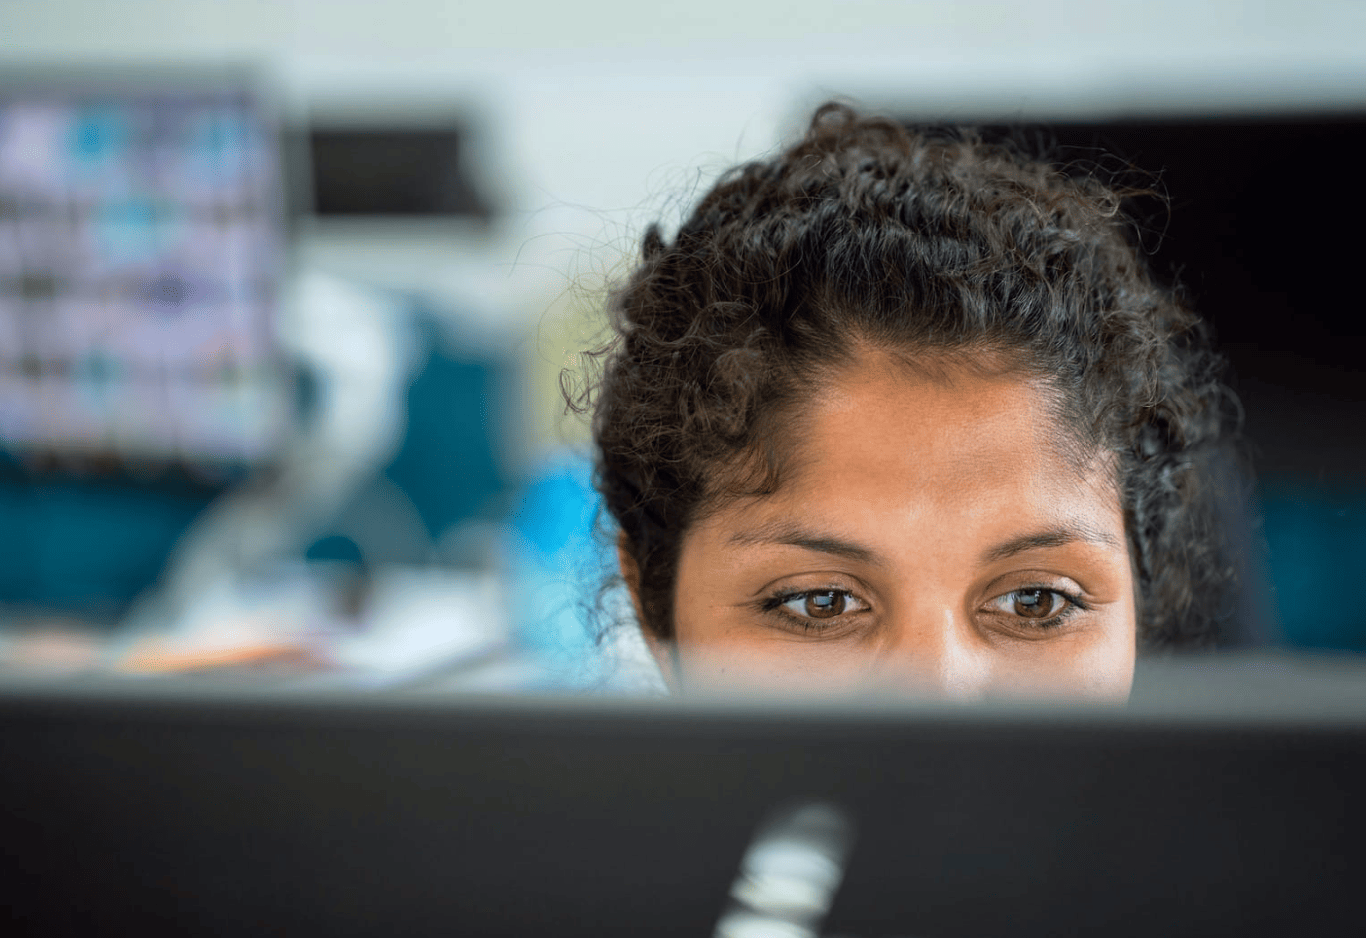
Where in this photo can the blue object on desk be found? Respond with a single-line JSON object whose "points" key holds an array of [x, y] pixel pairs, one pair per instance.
{"points": [[559, 563]]}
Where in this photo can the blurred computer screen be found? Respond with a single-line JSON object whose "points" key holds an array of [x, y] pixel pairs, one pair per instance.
{"points": [[140, 246]]}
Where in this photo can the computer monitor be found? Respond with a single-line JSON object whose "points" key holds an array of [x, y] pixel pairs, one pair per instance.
{"points": [[188, 810], [141, 248]]}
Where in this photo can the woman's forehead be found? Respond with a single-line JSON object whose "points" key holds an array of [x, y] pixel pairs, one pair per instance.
{"points": [[956, 445], [941, 412]]}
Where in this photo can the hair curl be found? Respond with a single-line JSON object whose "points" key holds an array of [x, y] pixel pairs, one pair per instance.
{"points": [[924, 240]]}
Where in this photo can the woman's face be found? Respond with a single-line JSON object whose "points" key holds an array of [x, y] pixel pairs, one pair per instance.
{"points": [[931, 536]]}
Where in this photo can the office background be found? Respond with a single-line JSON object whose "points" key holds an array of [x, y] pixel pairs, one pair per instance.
{"points": [[446, 527]]}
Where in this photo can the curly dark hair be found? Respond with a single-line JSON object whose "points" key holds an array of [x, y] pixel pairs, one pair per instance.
{"points": [[922, 240]]}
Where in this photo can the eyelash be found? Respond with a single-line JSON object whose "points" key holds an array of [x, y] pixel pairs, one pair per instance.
{"points": [[773, 604], [1074, 605]]}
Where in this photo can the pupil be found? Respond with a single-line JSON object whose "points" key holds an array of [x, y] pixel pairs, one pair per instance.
{"points": [[825, 605], [1033, 604]]}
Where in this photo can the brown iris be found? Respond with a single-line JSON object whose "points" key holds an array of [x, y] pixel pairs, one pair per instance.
{"points": [[825, 604], [1034, 604]]}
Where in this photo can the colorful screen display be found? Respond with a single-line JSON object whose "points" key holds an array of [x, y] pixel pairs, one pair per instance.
{"points": [[140, 244]]}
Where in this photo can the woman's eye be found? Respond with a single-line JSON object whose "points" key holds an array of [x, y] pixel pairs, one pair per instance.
{"points": [[821, 604], [1034, 603]]}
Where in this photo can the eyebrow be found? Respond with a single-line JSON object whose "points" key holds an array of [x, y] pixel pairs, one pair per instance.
{"points": [[1059, 536], [794, 535]]}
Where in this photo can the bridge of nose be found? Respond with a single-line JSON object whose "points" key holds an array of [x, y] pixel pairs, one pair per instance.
{"points": [[934, 648]]}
